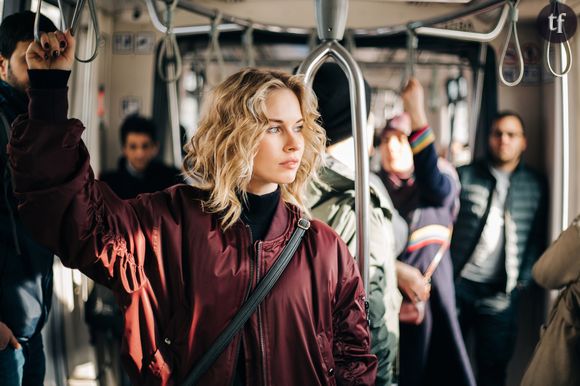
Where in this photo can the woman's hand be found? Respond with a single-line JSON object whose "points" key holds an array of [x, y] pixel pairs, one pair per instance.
{"points": [[55, 51], [412, 282]]}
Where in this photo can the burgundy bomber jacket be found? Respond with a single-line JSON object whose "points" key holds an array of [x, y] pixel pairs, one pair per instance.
{"points": [[179, 278]]}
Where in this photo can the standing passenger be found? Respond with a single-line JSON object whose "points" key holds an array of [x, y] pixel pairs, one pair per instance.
{"points": [[557, 356], [25, 265], [182, 261], [332, 201], [432, 352], [138, 171], [499, 234]]}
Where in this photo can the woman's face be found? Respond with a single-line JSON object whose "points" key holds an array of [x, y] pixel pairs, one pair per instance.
{"points": [[396, 153], [281, 148]]}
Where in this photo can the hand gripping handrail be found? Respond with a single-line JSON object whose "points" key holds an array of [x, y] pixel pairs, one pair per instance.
{"points": [[74, 24], [331, 19]]}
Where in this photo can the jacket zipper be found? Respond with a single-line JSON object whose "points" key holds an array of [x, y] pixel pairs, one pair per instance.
{"points": [[260, 329], [240, 340]]}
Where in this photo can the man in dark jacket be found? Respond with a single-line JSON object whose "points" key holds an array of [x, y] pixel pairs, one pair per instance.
{"points": [[138, 170], [25, 266], [499, 234]]}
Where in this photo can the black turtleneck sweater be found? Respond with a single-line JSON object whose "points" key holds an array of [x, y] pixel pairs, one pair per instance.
{"points": [[257, 213]]}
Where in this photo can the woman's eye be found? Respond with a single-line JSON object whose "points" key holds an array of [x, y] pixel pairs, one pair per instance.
{"points": [[274, 130], [298, 129]]}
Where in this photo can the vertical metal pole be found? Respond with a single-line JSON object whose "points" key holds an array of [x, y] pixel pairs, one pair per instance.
{"points": [[565, 111], [479, 76], [174, 116], [331, 21]]}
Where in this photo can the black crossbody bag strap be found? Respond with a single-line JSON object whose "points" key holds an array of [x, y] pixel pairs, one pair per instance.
{"points": [[250, 305]]}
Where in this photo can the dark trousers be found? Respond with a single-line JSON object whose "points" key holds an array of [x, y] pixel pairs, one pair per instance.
{"points": [[25, 366], [491, 315]]}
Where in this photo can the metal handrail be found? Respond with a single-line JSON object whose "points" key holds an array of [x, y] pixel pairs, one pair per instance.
{"points": [[331, 48], [467, 35], [187, 30], [234, 23], [74, 25], [331, 19]]}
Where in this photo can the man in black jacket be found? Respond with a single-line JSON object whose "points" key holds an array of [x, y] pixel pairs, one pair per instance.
{"points": [[138, 171], [25, 266], [499, 234]]}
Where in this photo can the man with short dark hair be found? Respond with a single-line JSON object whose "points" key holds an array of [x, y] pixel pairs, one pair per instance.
{"points": [[25, 266], [499, 234], [138, 171]]}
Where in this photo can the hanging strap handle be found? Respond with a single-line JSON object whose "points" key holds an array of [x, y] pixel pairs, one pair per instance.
{"points": [[250, 305], [514, 15]]}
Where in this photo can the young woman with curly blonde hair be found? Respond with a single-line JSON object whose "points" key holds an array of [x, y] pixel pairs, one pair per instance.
{"points": [[181, 262]]}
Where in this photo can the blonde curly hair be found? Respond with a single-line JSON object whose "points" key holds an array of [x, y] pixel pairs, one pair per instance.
{"points": [[221, 153]]}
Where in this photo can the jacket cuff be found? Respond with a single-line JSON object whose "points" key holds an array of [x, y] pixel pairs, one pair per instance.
{"points": [[48, 79], [420, 139], [49, 105]]}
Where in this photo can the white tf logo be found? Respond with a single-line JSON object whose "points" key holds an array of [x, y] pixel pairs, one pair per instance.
{"points": [[557, 22], [560, 20]]}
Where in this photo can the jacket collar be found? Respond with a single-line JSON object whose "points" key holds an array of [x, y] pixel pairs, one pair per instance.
{"points": [[282, 221], [486, 164]]}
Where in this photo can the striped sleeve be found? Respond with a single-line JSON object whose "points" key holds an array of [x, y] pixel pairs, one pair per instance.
{"points": [[420, 139]]}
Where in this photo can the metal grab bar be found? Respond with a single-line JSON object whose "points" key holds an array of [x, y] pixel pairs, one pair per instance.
{"points": [[358, 102], [187, 30], [412, 45], [330, 17], [422, 27], [74, 24], [466, 35]]}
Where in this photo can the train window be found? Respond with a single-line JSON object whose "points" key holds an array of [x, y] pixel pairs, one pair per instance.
{"points": [[49, 10]]}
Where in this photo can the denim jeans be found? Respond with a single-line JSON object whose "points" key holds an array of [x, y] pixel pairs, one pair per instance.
{"points": [[491, 315], [25, 366]]}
